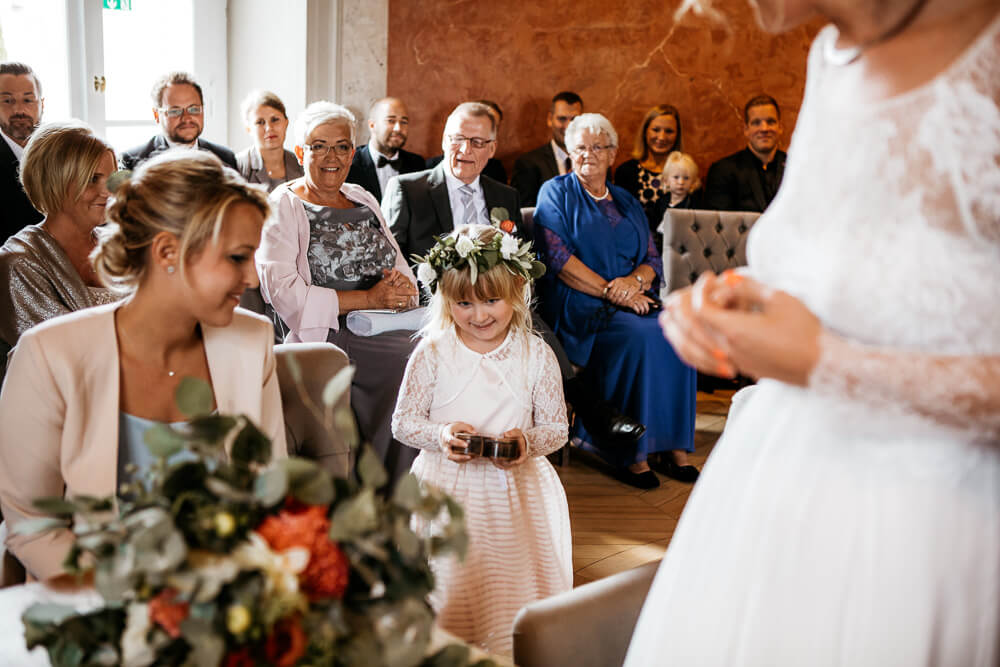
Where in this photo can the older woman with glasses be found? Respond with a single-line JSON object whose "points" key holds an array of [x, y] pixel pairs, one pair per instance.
{"points": [[327, 251], [602, 262]]}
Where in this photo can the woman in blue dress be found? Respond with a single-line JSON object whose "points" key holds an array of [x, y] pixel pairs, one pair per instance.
{"points": [[601, 259]]}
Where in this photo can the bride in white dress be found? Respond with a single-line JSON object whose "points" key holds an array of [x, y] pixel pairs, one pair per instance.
{"points": [[850, 513]]}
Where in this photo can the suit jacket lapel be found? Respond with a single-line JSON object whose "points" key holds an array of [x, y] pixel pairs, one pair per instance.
{"points": [[368, 165], [551, 160], [755, 185], [438, 188]]}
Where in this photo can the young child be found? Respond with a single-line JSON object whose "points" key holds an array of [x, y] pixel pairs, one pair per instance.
{"points": [[681, 174], [481, 369]]}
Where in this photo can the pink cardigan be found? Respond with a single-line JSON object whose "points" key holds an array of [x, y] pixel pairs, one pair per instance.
{"points": [[59, 411], [285, 280]]}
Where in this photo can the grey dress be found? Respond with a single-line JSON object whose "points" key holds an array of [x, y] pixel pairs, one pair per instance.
{"points": [[41, 283], [348, 251], [251, 167]]}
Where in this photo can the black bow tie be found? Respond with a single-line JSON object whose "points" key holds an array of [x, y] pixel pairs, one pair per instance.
{"points": [[383, 160]]}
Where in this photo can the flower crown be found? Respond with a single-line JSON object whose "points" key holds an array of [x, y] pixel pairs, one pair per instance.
{"points": [[457, 252]]}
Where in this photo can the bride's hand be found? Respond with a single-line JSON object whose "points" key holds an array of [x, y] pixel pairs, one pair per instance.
{"points": [[764, 333], [695, 343]]}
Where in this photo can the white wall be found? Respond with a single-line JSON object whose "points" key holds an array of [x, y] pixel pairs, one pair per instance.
{"points": [[307, 50], [267, 50]]}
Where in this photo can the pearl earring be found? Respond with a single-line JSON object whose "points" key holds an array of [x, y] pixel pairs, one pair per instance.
{"points": [[170, 269]]}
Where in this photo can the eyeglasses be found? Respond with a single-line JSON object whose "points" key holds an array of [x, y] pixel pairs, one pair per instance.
{"points": [[596, 150], [457, 140], [177, 112], [322, 150]]}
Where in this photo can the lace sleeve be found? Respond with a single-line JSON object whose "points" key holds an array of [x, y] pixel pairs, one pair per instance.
{"points": [[550, 430], [957, 391], [410, 423]]}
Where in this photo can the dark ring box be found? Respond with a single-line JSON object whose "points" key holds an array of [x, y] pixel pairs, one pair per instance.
{"points": [[482, 445]]}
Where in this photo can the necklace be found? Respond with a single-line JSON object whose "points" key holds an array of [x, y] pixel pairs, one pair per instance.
{"points": [[842, 57]]}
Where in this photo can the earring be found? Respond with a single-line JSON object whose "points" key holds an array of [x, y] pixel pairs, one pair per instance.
{"points": [[170, 269]]}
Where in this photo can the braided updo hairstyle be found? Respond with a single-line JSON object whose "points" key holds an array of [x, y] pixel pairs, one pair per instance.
{"points": [[182, 192]]}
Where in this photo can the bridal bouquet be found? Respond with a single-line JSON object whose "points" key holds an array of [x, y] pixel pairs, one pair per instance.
{"points": [[209, 559]]}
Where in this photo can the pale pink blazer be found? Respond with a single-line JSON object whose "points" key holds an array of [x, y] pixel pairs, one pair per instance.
{"points": [[59, 411], [285, 280]]}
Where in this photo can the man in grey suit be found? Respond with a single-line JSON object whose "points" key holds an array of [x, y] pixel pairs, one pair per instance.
{"points": [[180, 112], [550, 159], [432, 202]]}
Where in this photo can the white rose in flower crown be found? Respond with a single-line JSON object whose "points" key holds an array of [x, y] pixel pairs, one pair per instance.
{"points": [[508, 246], [464, 246], [426, 273]]}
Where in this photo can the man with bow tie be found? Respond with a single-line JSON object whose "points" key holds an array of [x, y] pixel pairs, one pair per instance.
{"points": [[383, 157]]}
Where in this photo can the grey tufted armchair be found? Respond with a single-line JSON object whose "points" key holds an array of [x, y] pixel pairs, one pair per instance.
{"points": [[696, 241]]}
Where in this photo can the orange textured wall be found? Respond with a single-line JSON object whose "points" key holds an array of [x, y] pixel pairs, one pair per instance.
{"points": [[621, 57]]}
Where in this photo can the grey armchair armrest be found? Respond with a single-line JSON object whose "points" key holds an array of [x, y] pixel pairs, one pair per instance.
{"points": [[304, 434], [589, 626], [696, 241]]}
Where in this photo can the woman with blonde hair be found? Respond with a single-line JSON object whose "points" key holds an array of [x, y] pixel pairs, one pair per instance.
{"points": [[642, 177], [46, 267], [266, 161], [850, 512], [82, 389]]}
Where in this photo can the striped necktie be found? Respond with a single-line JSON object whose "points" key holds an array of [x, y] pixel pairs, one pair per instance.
{"points": [[468, 207]]}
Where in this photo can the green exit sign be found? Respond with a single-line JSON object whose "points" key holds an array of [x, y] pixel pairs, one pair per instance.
{"points": [[123, 5]]}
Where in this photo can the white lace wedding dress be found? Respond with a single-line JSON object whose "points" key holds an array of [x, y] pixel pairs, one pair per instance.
{"points": [[857, 522], [517, 519]]}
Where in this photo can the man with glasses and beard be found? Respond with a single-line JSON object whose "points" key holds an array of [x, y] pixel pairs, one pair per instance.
{"points": [[21, 104], [383, 156], [179, 110]]}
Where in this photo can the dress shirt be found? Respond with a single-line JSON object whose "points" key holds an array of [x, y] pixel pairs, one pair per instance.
{"points": [[561, 157], [14, 146], [386, 171], [455, 199]]}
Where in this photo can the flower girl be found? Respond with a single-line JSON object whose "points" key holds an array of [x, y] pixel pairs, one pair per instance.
{"points": [[481, 370]]}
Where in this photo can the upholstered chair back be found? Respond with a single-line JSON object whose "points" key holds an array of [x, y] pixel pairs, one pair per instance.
{"points": [[304, 432], [696, 241]]}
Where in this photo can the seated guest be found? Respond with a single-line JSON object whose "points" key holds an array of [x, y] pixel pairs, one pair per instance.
{"points": [[749, 180], [680, 174], [494, 167], [21, 105], [46, 267], [642, 177], [601, 261], [550, 159], [179, 110], [82, 389], [383, 156], [435, 202], [266, 161], [327, 251]]}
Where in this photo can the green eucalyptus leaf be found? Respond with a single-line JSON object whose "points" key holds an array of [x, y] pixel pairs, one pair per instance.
{"points": [[211, 428], [194, 397], [56, 506], [294, 369], [406, 540], [491, 257], [347, 426], [473, 272], [43, 613], [250, 446], [271, 486], [452, 655], [307, 482], [163, 441], [338, 385], [355, 516], [407, 492], [39, 525], [370, 468]]}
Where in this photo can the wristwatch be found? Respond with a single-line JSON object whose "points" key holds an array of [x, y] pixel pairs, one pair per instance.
{"points": [[642, 283]]}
